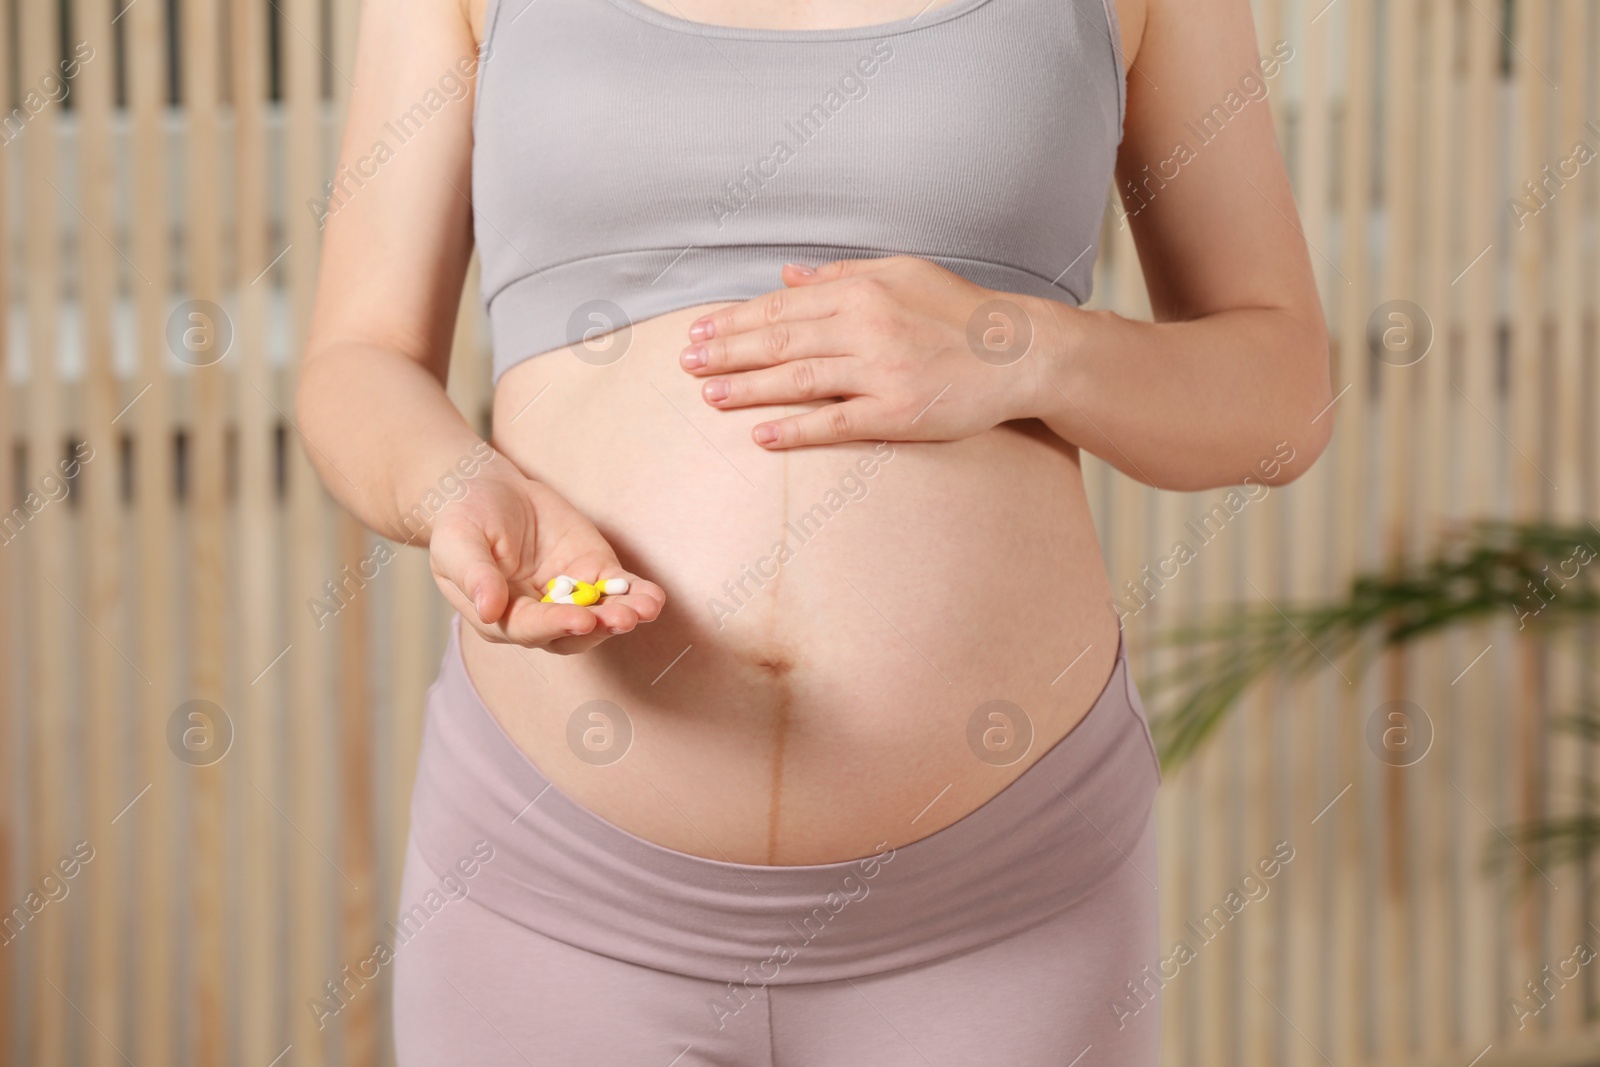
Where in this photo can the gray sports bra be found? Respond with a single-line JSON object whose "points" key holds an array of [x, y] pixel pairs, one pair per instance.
{"points": [[628, 163]]}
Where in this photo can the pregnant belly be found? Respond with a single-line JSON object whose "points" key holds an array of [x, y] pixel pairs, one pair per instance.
{"points": [[840, 623]]}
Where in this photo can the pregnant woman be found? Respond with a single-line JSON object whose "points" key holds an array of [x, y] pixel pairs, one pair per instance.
{"points": [[784, 303]]}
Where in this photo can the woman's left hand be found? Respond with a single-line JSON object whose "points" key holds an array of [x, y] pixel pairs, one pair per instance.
{"points": [[908, 350]]}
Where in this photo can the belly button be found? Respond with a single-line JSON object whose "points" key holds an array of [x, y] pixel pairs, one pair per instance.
{"points": [[775, 660]]}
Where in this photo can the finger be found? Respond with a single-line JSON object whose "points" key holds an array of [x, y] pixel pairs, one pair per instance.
{"points": [[459, 554], [780, 305], [615, 618], [805, 379], [647, 598], [848, 420], [576, 646], [766, 346], [537, 624], [603, 621], [642, 602], [851, 268]]}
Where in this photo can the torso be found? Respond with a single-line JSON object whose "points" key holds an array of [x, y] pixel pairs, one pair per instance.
{"points": [[808, 710]]}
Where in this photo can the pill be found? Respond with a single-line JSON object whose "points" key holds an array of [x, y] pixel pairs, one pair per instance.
{"points": [[614, 586], [561, 585], [564, 598], [585, 594]]}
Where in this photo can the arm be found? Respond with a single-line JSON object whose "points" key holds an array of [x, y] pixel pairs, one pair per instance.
{"points": [[1235, 364], [377, 423], [1237, 359], [379, 429]]}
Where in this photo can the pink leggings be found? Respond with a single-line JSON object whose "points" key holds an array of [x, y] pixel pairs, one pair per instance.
{"points": [[533, 932]]}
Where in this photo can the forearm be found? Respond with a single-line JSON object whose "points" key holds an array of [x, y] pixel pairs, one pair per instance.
{"points": [[1186, 405], [386, 440]]}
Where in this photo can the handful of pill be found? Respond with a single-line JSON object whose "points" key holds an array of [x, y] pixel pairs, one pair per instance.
{"points": [[564, 589]]}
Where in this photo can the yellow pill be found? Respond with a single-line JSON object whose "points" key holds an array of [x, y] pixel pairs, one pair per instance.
{"points": [[585, 594], [546, 600]]}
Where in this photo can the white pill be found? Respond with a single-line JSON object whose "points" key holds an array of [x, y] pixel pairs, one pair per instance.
{"points": [[614, 586], [564, 585], [564, 598]]}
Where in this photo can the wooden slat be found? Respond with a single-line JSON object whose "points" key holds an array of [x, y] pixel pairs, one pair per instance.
{"points": [[1305, 901], [46, 544], [1199, 830], [1262, 1029], [150, 422], [1479, 1006], [1565, 226], [1395, 964], [102, 544], [208, 576], [1528, 243], [1522, 430], [12, 761], [1589, 634], [310, 805], [1220, 997], [1343, 836], [1175, 857], [257, 572], [1591, 405], [358, 893], [1432, 794], [1177, 863]]}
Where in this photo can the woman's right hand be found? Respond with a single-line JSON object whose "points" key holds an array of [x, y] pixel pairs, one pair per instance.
{"points": [[493, 551]]}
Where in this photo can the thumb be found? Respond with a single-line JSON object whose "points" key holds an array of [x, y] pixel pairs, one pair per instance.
{"points": [[461, 556]]}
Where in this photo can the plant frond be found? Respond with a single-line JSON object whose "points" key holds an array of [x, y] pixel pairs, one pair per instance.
{"points": [[1544, 574]]}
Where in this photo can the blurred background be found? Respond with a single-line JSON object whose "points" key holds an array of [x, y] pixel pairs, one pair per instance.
{"points": [[1378, 682]]}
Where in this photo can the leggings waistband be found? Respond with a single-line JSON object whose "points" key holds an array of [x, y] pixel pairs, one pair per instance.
{"points": [[1029, 853]]}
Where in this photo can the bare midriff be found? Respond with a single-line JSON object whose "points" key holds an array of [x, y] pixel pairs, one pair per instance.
{"points": [[810, 704]]}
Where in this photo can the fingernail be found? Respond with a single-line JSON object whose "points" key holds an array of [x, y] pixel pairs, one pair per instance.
{"points": [[702, 330], [715, 390], [615, 630], [575, 633], [800, 268], [693, 357], [766, 433]]}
